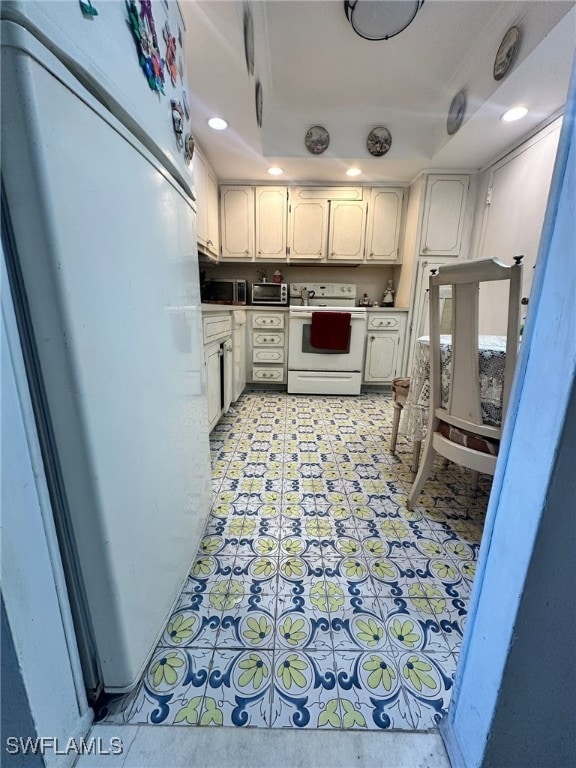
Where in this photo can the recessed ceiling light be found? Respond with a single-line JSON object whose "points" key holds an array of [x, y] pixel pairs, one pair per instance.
{"points": [[217, 123], [275, 171], [353, 172], [514, 114]]}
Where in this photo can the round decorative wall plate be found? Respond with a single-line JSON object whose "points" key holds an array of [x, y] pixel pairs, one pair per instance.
{"points": [[456, 113], [258, 103], [379, 141], [506, 53], [249, 39], [317, 139]]}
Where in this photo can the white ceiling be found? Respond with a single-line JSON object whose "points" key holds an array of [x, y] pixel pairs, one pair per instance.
{"points": [[315, 70]]}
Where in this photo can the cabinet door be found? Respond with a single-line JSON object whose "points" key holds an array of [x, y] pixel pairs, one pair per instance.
{"points": [[308, 229], [347, 230], [381, 356], [237, 222], [384, 223], [419, 315], [212, 215], [201, 199], [212, 356], [271, 219], [444, 214], [228, 373]]}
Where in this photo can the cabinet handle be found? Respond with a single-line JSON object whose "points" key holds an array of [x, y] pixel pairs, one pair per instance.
{"points": [[372, 338], [332, 253], [209, 242], [319, 253], [425, 249], [247, 252], [259, 253]]}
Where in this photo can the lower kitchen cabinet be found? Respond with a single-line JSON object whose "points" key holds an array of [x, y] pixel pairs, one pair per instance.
{"points": [[384, 346], [268, 343], [218, 364]]}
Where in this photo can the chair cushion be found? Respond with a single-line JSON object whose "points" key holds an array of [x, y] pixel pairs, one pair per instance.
{"points": [[469, 439], [400, 387]]}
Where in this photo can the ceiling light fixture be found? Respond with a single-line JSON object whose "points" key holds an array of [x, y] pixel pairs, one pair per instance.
{"points": [[353, 172], [275, 171], [514, 114], [217, 123], [381, 19]]}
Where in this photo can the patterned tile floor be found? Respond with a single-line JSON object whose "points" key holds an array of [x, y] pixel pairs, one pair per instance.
{"points": [[317, 600]]}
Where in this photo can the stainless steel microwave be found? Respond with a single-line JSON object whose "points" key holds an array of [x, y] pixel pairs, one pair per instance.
{"points": [[225, 291], [270, 293]]}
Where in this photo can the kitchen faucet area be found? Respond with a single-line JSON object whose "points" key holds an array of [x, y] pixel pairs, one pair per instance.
{"points": [[287, 383]]}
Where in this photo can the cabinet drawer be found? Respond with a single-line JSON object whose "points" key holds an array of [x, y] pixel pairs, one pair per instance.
{"points": [[268, 320], [383, 322], [216, 327], [267, 374], [268, 355], [260, 339]]}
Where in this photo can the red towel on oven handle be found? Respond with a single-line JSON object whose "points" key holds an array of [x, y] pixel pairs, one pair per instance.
{"points": [[330, 330]]}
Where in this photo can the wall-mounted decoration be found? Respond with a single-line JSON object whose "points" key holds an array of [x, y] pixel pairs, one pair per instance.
{"points": [[249, 39], [259, 106], [379, 141], [506, 53], [317, 139], [87, 8], [456, 112], [188, 148], [144, 34], [186, 105], [178, 121], [170, 41]]}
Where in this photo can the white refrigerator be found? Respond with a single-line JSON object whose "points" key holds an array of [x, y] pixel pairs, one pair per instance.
{"points": [[99, 231]]}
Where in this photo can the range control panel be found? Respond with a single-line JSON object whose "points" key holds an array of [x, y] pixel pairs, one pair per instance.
{"points": [[325, 290]]}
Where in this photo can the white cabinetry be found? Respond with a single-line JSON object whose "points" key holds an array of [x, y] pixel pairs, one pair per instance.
{"points": [[237, 223], [217, 331], [384, 225], [444, 216], [327, 224], [206, 187], [271, 220], [308, 229], [268, 347], [239, 352], [346, 230], [384, 346]]}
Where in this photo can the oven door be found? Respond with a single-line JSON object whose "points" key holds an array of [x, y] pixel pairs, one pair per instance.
{"points": [[303, 357]]}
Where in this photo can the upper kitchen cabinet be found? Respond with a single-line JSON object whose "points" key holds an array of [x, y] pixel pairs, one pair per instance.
{"points": [[207, 225], [271, 222], [444, 216], [237, 222], [346, 230], [384, 225], [308, 229], [327, 223]]}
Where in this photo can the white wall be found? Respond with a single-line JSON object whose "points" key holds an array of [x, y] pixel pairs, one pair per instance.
{"points": [[511, 223], [32, 579]]}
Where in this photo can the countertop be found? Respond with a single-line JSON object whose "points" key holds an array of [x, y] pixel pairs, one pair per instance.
{"points": [[223, 308]]}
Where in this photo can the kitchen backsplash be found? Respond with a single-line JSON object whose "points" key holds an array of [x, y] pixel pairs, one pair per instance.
{"points": [[370, 280]]}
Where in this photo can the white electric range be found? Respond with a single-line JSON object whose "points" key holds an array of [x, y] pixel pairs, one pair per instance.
{"points": [[316, 371]]}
